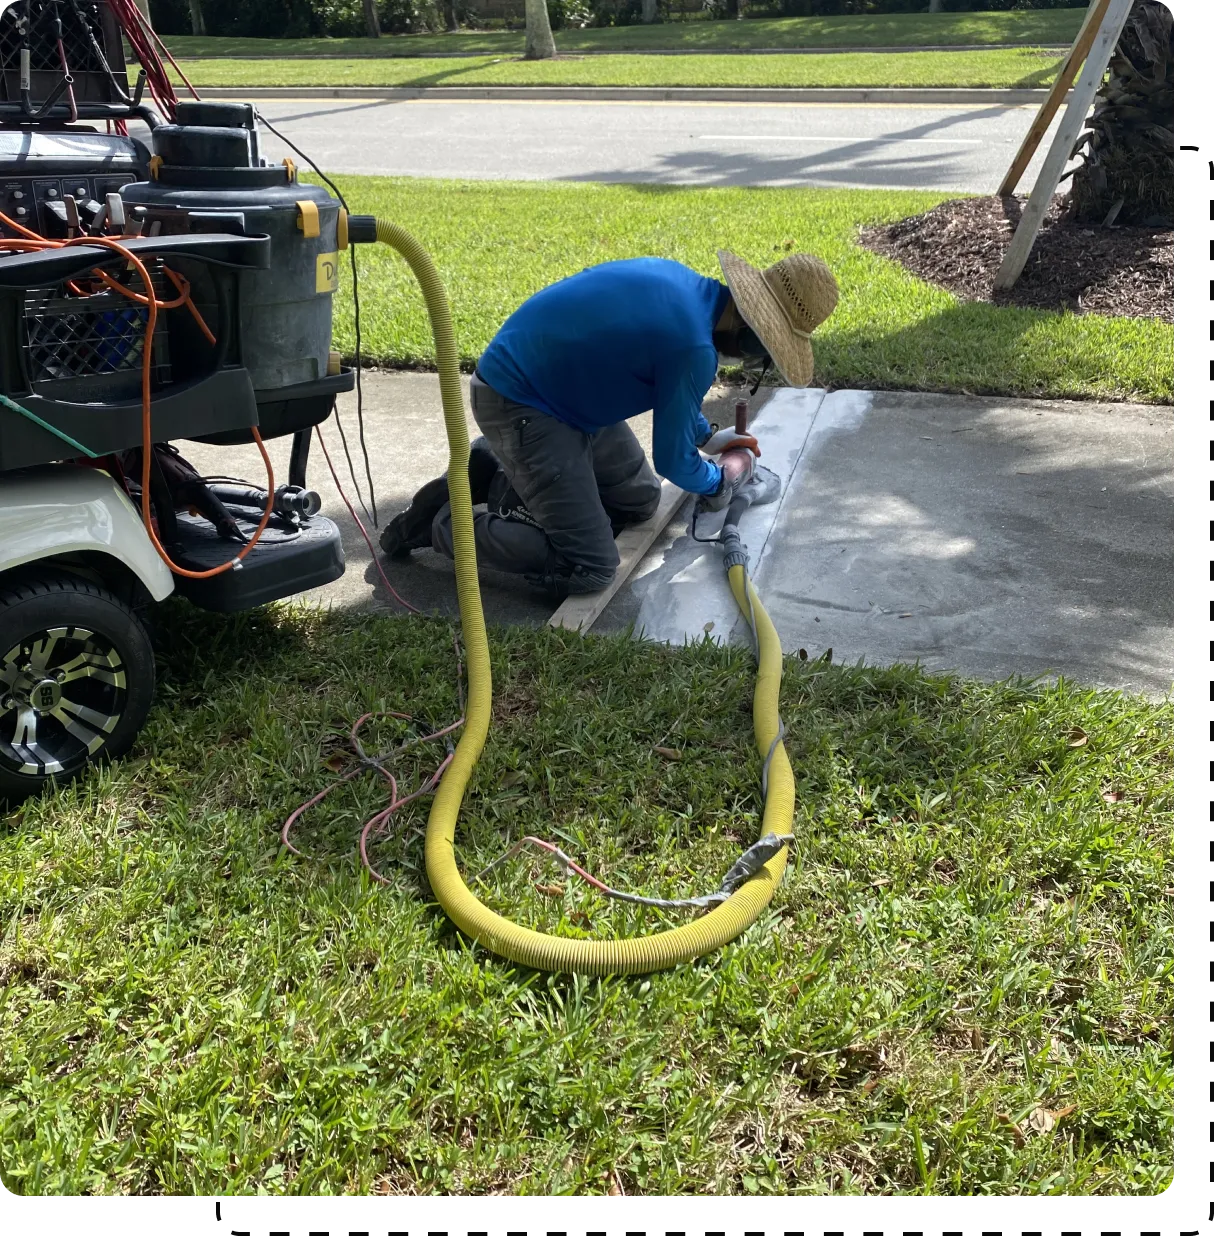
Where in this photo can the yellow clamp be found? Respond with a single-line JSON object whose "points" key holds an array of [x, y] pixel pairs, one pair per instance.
{"points": [[292, 171], [343, 229], [309, 219], [154, 165]]}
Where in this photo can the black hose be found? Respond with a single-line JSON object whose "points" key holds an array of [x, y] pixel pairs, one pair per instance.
{"points": [[730, 535], [51, 100], [123, 92]]}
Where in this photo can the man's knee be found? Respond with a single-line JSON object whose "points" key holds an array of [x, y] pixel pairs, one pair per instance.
{"points": [[584, 579], [649, 506], [642, 505]]}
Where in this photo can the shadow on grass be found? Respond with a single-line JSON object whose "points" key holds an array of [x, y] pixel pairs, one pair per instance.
{"points": [[193, 645], [982, 349], [1044, 77]]}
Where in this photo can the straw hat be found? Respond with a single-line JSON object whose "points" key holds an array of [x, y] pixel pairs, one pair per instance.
{"points": [[783, 305]]}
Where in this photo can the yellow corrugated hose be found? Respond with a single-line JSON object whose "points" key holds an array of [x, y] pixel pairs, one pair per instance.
{"points": [[498, 934]]}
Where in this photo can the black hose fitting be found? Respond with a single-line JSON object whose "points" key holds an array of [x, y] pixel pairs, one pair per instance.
{"points": [[731, 537], [363, 230]]}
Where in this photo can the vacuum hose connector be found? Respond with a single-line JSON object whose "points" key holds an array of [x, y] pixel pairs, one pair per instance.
{"points": [[520, 944]]}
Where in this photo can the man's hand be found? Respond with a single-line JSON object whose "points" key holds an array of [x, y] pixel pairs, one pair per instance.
{"points": [[737, 467], [729, 439]]}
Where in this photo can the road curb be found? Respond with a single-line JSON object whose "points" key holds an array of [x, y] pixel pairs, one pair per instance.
{"points": [[639, 94]]}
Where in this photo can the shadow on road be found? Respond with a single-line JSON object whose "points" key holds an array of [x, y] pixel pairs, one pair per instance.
{"points": [[859, 161]]}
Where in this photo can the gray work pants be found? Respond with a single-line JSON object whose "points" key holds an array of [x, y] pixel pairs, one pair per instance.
{"points": [[574, 486]]}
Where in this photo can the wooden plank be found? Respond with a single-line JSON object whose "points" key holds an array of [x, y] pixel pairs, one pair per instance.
{"points": [[1053, 101], [1064, 142], [578, 613]]}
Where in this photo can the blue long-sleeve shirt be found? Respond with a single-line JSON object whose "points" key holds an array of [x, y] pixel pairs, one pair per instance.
{"points": [[613, 342]]}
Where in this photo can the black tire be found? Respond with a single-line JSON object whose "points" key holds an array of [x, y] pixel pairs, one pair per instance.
{"points": [[77, 677]]}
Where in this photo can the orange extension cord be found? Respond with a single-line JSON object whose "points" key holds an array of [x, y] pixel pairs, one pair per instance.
{"points": [[31, 242]]}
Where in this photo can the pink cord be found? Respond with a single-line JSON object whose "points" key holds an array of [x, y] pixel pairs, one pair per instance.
{"points": [[386, 814], [71, 94], [378, 823], [362, 528], [565, 861]]}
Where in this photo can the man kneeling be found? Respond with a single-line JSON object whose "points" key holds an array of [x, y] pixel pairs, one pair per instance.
{"points": [[558, 469]]}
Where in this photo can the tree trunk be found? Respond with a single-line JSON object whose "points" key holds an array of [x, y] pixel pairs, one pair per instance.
{"points": [[198, 23], [450, 16], [371, 18], [649, 12], [540, 44], [1126, 173], [142, 6], [936, 6]]}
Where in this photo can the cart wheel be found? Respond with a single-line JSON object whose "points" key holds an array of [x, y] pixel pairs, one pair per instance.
{"points": [[76, 681]]}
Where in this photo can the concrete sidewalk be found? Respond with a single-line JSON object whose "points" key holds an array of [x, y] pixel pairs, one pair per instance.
{"points": [[984, 535], [989, 536]]}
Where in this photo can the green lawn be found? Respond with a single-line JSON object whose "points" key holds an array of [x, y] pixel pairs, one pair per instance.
{"points": [[496, 243], [1057, 26], [1019, 67], [963, 986]]}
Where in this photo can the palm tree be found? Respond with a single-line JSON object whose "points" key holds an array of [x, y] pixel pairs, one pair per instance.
{"points": [[1126, 172], [540, 44]]}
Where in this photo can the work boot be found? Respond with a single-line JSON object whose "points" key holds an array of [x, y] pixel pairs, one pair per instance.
{"points": [[554, 582], [410, 530]]}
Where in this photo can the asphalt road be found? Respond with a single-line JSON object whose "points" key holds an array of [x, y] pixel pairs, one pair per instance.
{"points": [[961, 147]]}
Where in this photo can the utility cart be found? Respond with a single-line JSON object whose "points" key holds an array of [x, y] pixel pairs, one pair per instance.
{"points": [[151, 294]]}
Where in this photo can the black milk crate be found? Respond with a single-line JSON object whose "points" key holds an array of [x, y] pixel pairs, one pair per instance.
{"points": [[92, 45], [90, 347], [73, 362]]}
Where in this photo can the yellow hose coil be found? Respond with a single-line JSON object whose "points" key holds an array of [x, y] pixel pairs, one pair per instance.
{"points": [[498, 934]]}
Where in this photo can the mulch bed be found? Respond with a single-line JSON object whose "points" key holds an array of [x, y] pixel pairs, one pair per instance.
{"points": [[1117, 271]]}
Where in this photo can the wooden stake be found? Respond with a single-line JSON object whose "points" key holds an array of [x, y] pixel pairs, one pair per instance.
{"points": [[578, 613], [1064, 143], [1066, 77]]}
